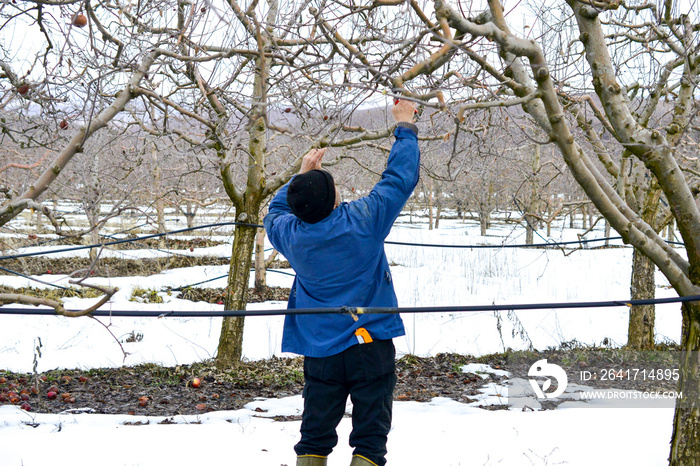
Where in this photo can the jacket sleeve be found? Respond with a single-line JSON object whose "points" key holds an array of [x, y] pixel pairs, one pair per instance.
{"points": [[387, 199], [278, 208]]}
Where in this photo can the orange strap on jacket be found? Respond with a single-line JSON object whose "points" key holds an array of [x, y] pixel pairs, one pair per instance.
{"points": [[363, 335]]}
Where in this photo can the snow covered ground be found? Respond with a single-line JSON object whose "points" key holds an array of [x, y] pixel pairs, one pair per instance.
{"points": [[442, 432]]}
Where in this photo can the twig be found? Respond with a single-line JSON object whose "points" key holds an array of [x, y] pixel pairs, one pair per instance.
{"points": [[113, 336]]}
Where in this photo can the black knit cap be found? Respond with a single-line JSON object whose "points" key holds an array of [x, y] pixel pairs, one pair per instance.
{"points": [[311, 195]]}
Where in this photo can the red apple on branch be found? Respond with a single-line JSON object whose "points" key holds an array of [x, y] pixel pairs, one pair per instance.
{"points": [[79, 20]]}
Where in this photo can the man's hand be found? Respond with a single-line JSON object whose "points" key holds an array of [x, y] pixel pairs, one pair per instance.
{"points": [[404, 110], [312, 160]]}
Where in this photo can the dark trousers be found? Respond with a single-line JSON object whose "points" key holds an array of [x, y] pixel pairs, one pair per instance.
{"points": [[366, 372]]}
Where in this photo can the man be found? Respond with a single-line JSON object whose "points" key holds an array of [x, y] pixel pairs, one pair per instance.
{"points": [[337, 252]]}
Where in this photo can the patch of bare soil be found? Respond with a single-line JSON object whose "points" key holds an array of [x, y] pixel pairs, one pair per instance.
{"points": [[53, 293], [153, 390], [216, 295], [111, 267], [603, 367], [169, 391], [114, 267], [106, 267], [422, 379], [166, 242], [126, 242]]}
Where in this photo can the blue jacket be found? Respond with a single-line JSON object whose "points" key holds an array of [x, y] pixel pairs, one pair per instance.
{"points": [[340, 261]]}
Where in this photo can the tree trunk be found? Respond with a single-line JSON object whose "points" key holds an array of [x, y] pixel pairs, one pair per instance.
{"points": [[484, 221], [429, 193], [230, 348], [685, 441], [190, 213], [531, 220], [92, 212], [157, 189], [671, 235], [189, 218], [640, 335], [643, 286], [247, 205], [93, 238], [533, 202], [437, 202], [260, 272], [160, 215], [529, 231]]}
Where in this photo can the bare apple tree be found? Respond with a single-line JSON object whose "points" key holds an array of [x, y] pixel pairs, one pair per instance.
{"points": [[629, 114], [59, 90], [260, 83]]}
